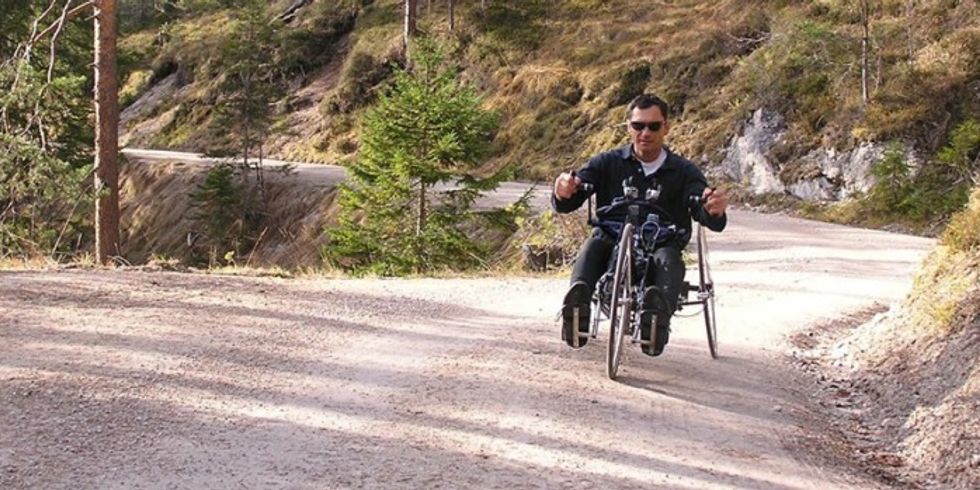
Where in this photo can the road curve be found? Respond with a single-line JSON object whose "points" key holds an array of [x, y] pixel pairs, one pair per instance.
{"points": [[506, 193]]}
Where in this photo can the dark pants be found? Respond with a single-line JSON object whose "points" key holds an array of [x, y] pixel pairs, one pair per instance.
{"points": [[665, 269]]}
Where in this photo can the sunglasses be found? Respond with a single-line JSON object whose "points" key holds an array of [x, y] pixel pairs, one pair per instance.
{"points": [[652, 126]]}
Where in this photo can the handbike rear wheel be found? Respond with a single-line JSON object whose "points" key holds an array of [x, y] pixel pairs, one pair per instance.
{"points": [[620, 301], [706, 292]]}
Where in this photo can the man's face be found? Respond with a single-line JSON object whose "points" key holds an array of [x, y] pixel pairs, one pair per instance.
{"points": [[647, 142]]}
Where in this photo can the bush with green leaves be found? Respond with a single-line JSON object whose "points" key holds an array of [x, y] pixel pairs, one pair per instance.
{"points": [[228, 213], [893, 182], [427, 129], [799, 72], [962, 156], [936, 190], [218, 200]]}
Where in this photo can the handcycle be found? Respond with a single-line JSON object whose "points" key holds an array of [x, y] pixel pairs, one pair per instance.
{"points": [[619, 291]]}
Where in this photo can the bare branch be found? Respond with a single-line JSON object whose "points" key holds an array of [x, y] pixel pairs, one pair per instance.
{"points": [[54, 39], [750, 40], [34, 25], [78, 199], [69, 15]]}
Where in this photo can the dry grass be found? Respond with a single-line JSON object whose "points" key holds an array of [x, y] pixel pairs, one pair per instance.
{"points": [[560, 73], [26, 263], [963, 231]]}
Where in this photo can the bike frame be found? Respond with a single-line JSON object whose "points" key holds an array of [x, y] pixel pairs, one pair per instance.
{"points": [[628, 274]]}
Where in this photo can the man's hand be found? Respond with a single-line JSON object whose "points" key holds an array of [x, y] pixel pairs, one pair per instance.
{"points": [[715, 201], [566, 185]]}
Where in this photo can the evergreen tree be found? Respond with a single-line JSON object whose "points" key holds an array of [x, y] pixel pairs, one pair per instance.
{"points": [[231, 205], [249, 84], [45, 130], [428, 129]]}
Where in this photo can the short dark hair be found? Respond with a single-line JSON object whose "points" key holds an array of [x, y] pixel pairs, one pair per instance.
{"points": [[647, 101]]}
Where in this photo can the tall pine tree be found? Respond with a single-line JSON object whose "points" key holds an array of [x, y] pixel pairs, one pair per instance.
{"points": [[428, 129], [231, 205]]}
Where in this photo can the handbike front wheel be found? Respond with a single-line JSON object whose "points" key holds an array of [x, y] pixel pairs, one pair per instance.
{"points": [[709, 323], [620, 301], [706, 292]]}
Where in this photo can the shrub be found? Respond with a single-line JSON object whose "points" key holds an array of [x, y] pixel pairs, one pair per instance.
{"points": [[516, 26], [893, 182], [963, 231], [45, 154], [136, 83], [225, 207], [962, 155]]}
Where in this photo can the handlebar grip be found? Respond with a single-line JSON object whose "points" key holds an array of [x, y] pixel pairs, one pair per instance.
{"points": [[586, 187], [696, 200]]}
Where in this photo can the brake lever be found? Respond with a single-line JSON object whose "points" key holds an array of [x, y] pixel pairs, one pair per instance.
{"points": [[587, 187]]}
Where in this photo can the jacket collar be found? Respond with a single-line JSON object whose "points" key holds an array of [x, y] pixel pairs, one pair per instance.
{"points": [[626, 152]]}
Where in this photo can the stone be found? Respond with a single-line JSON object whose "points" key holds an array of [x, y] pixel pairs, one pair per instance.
{"points": [[746, 161], [818, 189]]}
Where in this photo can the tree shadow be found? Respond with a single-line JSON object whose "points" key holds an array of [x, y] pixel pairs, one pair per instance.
{"points": [[175, 398]]}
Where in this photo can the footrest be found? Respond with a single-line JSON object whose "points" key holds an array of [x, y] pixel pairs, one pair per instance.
{"points": [[580, 321]]}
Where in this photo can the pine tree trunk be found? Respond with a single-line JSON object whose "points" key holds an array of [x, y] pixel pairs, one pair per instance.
{"points": [[865, 40], [106, 133], [910, 29], [420, 224], [409, 24], [452, 16], [246, 115]]}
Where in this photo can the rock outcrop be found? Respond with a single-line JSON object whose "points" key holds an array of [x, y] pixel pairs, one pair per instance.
{"points": [[828, 174], [747, 161]]}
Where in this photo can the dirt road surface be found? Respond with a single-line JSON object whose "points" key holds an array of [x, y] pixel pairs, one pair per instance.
{"points": [[330, 175], [128, 379]]}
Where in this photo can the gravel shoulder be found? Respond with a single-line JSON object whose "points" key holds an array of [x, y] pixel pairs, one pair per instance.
{"points": [[125, 379]]}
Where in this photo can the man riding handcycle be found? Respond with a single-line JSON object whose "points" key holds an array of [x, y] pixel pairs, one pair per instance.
{"points": [[645, 169]]}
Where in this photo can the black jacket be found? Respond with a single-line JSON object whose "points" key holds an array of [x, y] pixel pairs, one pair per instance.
{"points": [[678, 179]]}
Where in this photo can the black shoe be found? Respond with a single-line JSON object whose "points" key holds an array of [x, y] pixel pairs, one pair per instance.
{"points": [[654, 313], [578, 298]]}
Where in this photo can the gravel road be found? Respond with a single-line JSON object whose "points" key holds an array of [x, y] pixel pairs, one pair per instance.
{"points": [[128, 379]]}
